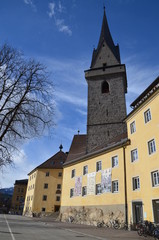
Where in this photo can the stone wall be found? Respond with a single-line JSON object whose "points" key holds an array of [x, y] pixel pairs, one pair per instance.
{"points": [[93, 215], [106, 111]]}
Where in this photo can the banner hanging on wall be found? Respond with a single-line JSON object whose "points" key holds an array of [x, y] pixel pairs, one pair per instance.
{"points": [[91, 181], [106, 180], [78, 186]]}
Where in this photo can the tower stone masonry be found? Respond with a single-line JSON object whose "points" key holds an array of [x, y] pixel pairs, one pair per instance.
{"points": [[107, 86]]}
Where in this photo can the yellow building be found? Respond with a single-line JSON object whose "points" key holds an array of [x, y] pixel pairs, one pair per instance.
{"points": [[18, 197], [95, 180], [142, 156], [45, 185], [129, 168], [112, 172]]}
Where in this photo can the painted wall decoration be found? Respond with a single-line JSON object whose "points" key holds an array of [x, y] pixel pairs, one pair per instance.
{"points": [[106, 180], [91, 181], [78, 186]]}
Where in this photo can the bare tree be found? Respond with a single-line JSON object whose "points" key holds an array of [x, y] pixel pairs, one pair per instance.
{"points": [[26, 102]]}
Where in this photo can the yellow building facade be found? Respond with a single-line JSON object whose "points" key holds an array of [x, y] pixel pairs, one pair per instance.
{"points": [[142, 156], [95, 168], [133, 164], [44, 186]]}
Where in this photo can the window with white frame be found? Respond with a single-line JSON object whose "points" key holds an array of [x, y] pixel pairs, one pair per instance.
{"points": [[136, 183], [132, 127], [151, 146], [155, 178], [115, 186], [85, 170], [147, 116], [114, 161], [98, 189], [84, 191], [71, 192], [134, 155], [73, 173], [98, 166]]}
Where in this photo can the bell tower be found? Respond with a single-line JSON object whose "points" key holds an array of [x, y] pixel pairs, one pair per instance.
{"points": [[107, 86]]}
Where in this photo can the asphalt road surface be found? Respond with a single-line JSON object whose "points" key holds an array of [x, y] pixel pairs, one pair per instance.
{"points": [[14, 227]]}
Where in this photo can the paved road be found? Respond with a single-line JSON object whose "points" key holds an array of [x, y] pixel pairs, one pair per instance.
{"points": [[22, 228]]}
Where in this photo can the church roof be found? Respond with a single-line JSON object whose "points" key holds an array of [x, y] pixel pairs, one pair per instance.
{"points": [[106, 36], [54, 162], [78, 152], [78, 147]]}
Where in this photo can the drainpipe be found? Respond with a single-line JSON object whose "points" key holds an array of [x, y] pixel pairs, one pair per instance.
{"points": [[125, 187]]}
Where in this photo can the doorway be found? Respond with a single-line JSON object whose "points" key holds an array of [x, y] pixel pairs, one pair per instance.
{"points": [[137, 208], [155, 204], [57, 208]]}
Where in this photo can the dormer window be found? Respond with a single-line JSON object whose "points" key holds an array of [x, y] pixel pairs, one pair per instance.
{"points": [[105, 87]]}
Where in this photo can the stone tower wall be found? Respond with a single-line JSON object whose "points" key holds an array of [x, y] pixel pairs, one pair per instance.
{"points": [[106, 111]]}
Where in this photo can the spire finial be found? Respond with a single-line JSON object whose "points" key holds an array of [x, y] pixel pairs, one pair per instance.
{"points": [[61, 147], [104, 6]]}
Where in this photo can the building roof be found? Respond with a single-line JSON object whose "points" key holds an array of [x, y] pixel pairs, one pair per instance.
{"points": [[78, 152], [147, 93], [21, 182], [106, 36], [54, 162], [78, 147]]}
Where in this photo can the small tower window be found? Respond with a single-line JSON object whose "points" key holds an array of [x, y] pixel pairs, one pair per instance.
{"points": [[105, 87], [104, 66]]}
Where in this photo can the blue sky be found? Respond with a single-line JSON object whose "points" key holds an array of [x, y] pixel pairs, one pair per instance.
{"points": [[62, 35]]}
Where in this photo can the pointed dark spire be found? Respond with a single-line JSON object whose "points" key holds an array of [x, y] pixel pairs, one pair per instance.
{"points": [[106, 36], [61, 147], [105, 33]]}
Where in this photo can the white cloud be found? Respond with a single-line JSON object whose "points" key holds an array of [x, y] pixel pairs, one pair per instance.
{"points": [[22, 166], [60, 7], [66, 70], [58, 20], [84, 113], [78, 101], [19, 157], [30, 3], [139, 77], [51, 12], [62, 27]]}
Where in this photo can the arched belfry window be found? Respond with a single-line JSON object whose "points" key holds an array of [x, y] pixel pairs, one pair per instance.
{"points": [[105, 87]]}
